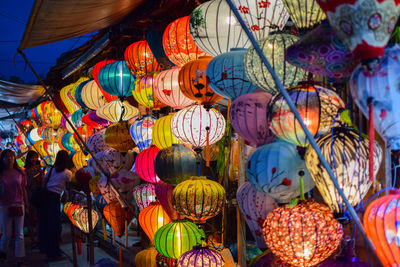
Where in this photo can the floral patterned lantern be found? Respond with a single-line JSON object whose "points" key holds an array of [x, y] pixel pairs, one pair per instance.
{"points": [[117, 136], [141, 131], [116, 217], [152, 218], [198, 198], [51, 135], [111, 161], [96, 142], [301, 242], [53, 114], [255, 206], [164, 196], [95, 74], [347, 154], [143, 92], [162, 135], [318, 107], [201, 256], [144, 194], [274, 47], [166, 88], [116, 111], [276, 168], [92, 95], [144, 164], [304, 13], [366, 34], [140, 59]]}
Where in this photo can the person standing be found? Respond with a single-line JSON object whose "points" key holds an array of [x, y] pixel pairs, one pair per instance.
{"points": [[13, 204]]}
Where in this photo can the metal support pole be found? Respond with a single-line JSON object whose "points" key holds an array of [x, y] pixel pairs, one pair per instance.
{"points": [[310, 137], [90, 235]]}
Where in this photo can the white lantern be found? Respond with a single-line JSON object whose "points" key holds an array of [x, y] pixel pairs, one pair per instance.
{"points": [[34, 135], [117, 110], [92, 95]]}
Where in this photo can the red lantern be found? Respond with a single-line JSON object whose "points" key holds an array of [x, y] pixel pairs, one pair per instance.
{"points": [[95, 73], [140, 59], [144, 164], [153, 218], [116, 216]]}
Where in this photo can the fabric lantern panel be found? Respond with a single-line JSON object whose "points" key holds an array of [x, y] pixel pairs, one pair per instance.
{"points": [[144, 194], [116, 217], [276, 168], [153, 218], [167, 90], [141, 131], [144, 164], [162, 135], [34, 135], [92, 96], [51, 135], [201, 256], [96, 142], [117, 136], [94, 189], [304, 13], [78, 94], [347, 154], [95, 73], [273, 47], [146, 257], [140, 59], [67, 94], [143, 92], [68, 141], [117, 110], [76, 119], [164, 196]]}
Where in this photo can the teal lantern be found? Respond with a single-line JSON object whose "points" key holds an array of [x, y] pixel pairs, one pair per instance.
{"points": [[78, 93], [66, 142]]}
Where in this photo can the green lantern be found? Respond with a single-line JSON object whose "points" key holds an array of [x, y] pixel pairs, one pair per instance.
{"points": [[174, 239]]}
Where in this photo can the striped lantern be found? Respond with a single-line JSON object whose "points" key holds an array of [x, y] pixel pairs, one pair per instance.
{"points": [[143, 92], [146, 257], [198, 198], [274, 47], [178, 43], [214, 28], [117, 136], [162, 133], [95, 74], [116, 79], [144, 194], [177, 237], [304, 13], [347, 154], [140, 59], [194, 82], [227, 75], [197, 126], [164, 196], [144, 164], [152, 218], [78, 94], [318, 107], [80, 159], [82, 219], [201, 256], [141, 131], [117, 110], [92, 95], [166, 88]]}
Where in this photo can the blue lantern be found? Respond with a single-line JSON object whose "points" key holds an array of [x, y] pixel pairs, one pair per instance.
{"points": [[227, 74], [116, 79], [65, 141], [141, 131], [78, 93], [76, 118]]}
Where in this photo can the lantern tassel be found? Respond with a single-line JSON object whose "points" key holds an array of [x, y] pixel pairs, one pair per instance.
{"points": [[371, 143], [208, 147]]}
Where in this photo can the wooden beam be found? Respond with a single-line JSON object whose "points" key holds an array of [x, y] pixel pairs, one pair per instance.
{"points": [[241, 224]]}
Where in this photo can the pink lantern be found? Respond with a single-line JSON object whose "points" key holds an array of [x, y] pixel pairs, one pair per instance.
{"points": [[164, 196], [166, 88], [144, 164], [144, 194]]}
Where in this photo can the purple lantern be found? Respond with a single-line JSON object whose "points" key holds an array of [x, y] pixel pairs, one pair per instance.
{"points": [[249, 117], [93, 117], [346, 259], [201, 256], [144, 194]]}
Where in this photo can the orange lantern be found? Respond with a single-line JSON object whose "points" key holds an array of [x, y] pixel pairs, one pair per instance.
{"points": [[140, 59], [85, 132], [153, 218], [116, 216], [80, 159], [194, 82], [178, 44]]}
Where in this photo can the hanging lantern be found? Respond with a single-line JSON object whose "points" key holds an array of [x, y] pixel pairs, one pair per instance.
{"points": [[194, 83], [78, 94], [76, 119], [249, 119], [201, 256], [143, 92], [140, 59], [255, 206], [162, 261], [276, 168], [67, 94], [144, 164], [214, 28], [273, 47], [166, 88], [112, 160], [94, 121], [141, 131], [82, 219], [146, 257], [198, 199], [92, 96], [304, 13], [178, 43], [153, 218], [68, 141], [177, 237], [53, 114], [197, 126], [116, 216], [95, 74], [347, 154], [162, 135], [84, 132], [50, 135], [96, 142], [117, 110], [34, 135], [124, 181], [323, 53], [175, 164], [117, 136], [144, 194], [318, 107], [301, 242], [366, 34], [379, 87], [164, 196], [80, 159], [116, 79]]}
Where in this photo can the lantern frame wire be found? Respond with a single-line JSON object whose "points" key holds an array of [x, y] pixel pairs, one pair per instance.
{"points": [[310, 137]]}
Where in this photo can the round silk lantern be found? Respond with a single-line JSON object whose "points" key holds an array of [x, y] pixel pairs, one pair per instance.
{"points": [[276, 168], [178, 43], [78, 94], [68, 98], [323, 53], [68, 141], [141, 131], [175, 164], [153, 218], [76, 119], [227, 75], [163, 261], [367, 34], [116, 216], [347, 154], [140, 59], [144, 194], [92, 96], [162, 133], [304, 13], [96, 142], [116, 79], [95, 74], [301, 242], [143, 92], [318, 107], [146, 257], [198, 199], [117, 136], [249, 119], [164, 196], [80, 159], [274, 47], [379, 87], [51, 135], [197, 126], [255, 206], [177, 237], [214, 28], [194, 83], [144, 164], [117, 110], [201, 256]]}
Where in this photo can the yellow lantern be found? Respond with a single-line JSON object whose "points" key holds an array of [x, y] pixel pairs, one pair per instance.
{"points": [[118, 137], [39, 148], [92, 95], [67, 95], [80, 159], [53, 114], [146, 257], [162, 134], [117, 110], [144, 92]]}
